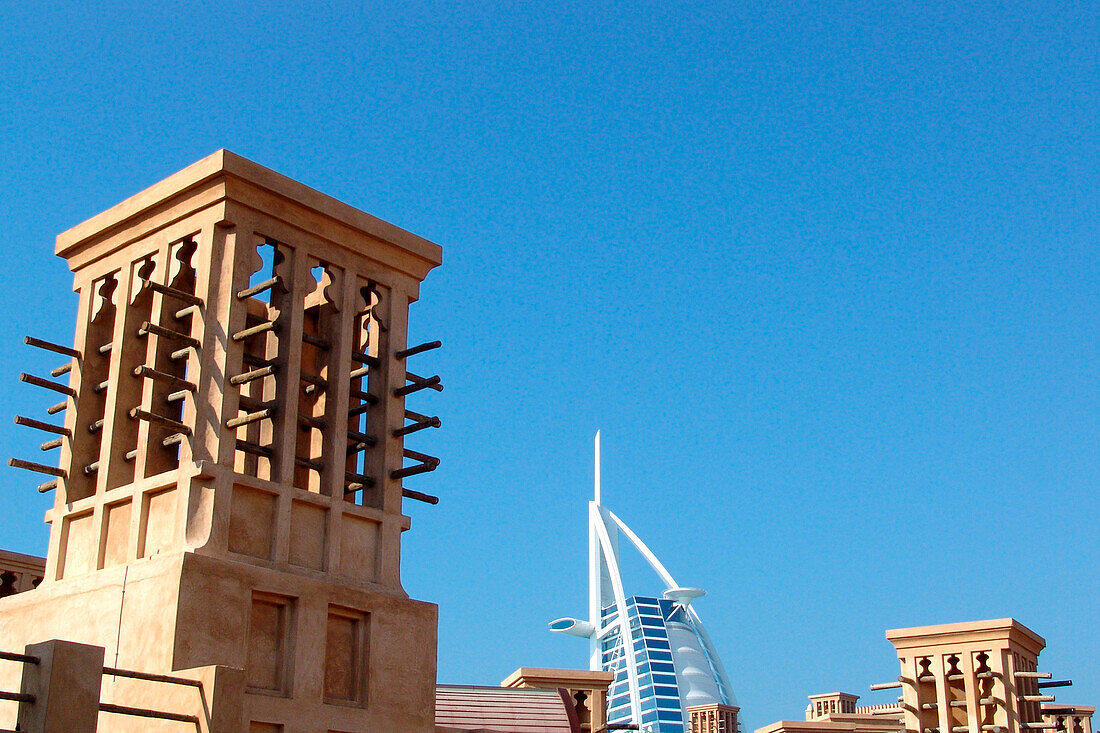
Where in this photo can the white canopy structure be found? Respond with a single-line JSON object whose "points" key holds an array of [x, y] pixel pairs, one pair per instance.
{"points": [[658, 648]]}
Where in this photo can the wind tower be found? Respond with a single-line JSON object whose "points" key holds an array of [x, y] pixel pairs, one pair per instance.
{"points": [[231, 463], [663, 659], [974, 677]]}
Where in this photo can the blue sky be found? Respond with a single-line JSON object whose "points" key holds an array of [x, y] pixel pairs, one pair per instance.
{"points": [[825, 274]]}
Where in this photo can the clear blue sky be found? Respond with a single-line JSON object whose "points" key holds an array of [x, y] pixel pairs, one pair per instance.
{"points": [[826, 274]]}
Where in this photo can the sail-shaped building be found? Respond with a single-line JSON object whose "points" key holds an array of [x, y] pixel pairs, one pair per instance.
{"points": [[666, 668]]}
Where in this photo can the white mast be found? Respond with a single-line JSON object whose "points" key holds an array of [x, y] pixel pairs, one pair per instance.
{"points": [[597, 471]]}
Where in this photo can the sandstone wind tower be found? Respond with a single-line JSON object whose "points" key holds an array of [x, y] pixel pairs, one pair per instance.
{"points": [[230, 480]]}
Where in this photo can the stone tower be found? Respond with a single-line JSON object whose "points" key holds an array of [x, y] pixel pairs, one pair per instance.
{"points": [[975, 677], [230, 480]]}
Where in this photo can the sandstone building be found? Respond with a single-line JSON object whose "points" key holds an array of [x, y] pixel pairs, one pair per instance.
{"points": [[974, 677], [232, 461]]}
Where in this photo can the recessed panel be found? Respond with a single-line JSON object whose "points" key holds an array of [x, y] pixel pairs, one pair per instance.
{"points": [[117, 543], [80, 547], [359, 547], [159, 524], [252, 522], [307, 535]]}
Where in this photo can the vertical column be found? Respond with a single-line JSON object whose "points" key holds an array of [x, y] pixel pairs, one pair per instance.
{"points": [[66, 684], [214, 263], [970, 692], [114, 470], [286, 387], [85, 293], [939, 673], [393, 408], [238, 254], [295, 269]]}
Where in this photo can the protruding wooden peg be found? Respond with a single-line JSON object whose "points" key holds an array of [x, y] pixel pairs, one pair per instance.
{"points": [[181, 354], [416, 378], [421, 424], [314, 383], [354, 448], [178, 395], [48, 486], [317, 341], [418, 384], [90, 469], [247, 333], [253, 360], [51, 444], [264, 371], [164, 377], [139, 414], [43, 426], [357, 480], [158, 330], [261, 287], [250, 417], [317, 466], [36, 467], [360, 409], [48, 346], [174, 293], [404, 353], [358, 394], [427, 463], [96, 426], [185, 312], [367, 440], [61, 370], [314, 422], [365, 358], [47, 384], [54, 409], [419, 496], [255, 449]]}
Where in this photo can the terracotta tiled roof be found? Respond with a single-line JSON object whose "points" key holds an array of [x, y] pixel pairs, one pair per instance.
{"points": [[501, 710]]}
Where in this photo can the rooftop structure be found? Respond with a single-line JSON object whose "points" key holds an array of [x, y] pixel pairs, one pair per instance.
{"points": [[973, 677], [19, 572], [658, 649], [231, 462]]}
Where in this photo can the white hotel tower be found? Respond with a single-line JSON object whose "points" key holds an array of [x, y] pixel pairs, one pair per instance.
{"points": [[668, 678]]}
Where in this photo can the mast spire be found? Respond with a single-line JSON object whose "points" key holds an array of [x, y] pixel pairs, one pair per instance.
{"points": [[597, 471]]}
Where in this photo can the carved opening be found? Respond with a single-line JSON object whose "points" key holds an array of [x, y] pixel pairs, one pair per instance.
{"points": [[170, 358], [956, 692], [264, 301], [94, 384], [135, 352], [926, 694], [320, 329], [7, 584], [363, 484]]}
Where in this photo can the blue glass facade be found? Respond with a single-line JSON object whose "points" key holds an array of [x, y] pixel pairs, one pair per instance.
{"points": [[659, 693]]}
